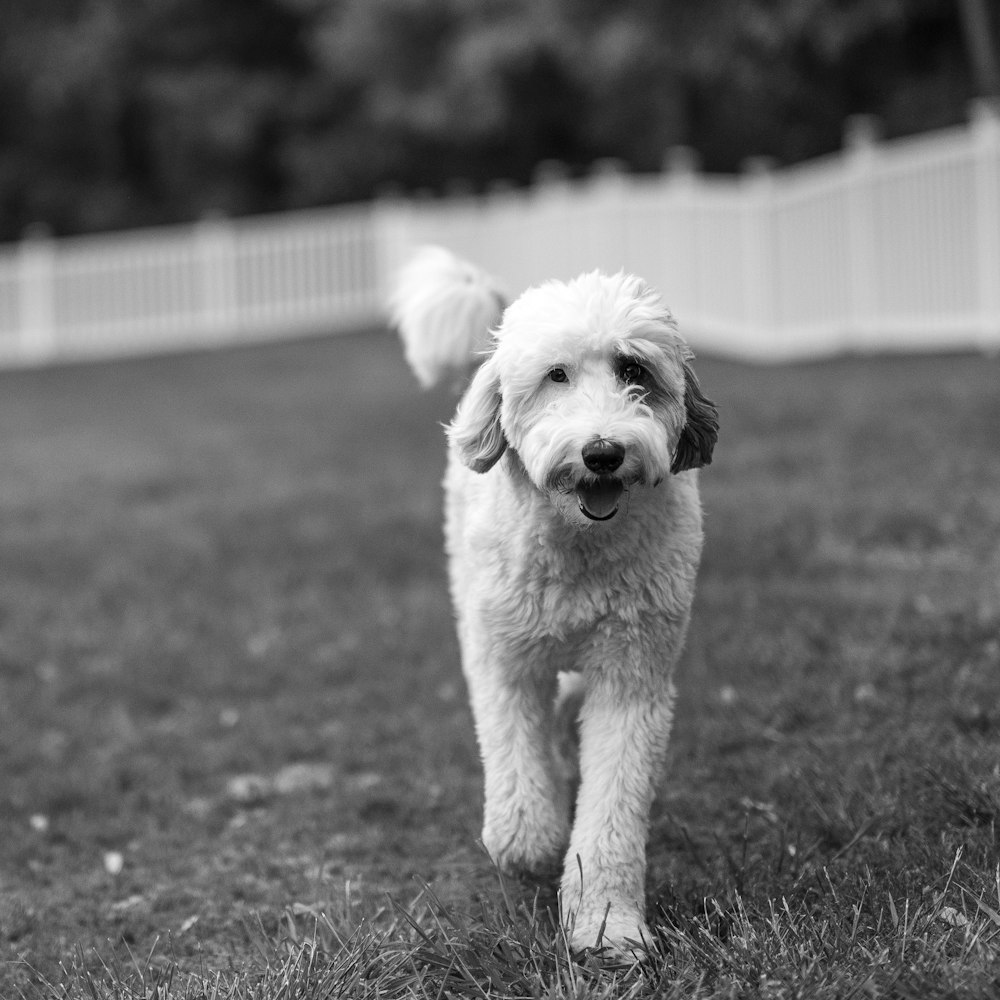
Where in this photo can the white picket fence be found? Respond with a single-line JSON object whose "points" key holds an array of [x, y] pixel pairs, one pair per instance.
{"points": [[216, 282], [884, 246]]}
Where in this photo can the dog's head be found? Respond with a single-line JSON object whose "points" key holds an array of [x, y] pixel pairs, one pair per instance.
{"points": [[591, 385]]}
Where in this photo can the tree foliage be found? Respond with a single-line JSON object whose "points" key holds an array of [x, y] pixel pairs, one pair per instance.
{"points": [[124, 112]]}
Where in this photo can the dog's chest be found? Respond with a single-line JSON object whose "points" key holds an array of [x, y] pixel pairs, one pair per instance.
{"points": [[560, 587], [520, 569]]}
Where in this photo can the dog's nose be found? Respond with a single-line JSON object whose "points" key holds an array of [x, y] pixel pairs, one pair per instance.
{"points": [[602, 456]]}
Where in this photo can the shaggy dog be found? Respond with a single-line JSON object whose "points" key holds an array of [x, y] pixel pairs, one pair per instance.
{"points": [[573, 527]]}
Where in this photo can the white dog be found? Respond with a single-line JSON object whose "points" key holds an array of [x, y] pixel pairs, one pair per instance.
{"points": [[573, 527]]}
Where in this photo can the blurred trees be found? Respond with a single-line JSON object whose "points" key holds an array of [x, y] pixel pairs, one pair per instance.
{"points": [[124, 112]]}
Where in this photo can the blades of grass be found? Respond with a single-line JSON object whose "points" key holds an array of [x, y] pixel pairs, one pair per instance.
{"points": [[89, 979], [894, 916], [982, 905], [456, 960], [598, 944], [906, 928], [741, 874], [861, 832], [409, 919], [954, 866]]}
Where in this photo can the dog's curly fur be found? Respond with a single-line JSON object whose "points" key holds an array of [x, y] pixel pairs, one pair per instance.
{"points": [[573, 527]]}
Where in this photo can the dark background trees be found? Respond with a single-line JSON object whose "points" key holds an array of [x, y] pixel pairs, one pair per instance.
{"points": [[117, 113]]}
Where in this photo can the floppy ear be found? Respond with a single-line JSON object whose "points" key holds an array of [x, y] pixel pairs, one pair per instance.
{"points": [[475, 430], [701, 430]]}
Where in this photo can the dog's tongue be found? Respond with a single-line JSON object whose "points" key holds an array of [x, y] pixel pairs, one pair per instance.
{"points": [[599, 499]]}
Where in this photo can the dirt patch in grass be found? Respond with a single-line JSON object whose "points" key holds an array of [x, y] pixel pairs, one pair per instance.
{"points": [[230, 695]]}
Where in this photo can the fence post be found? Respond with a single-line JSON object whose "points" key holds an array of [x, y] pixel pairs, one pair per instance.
{"points": [[681, 163], [608, 194], [760, 305], [395, 235], [861, 142], [985, 120], [549, 251], [36, 293], [680, 240], [215, 255]]}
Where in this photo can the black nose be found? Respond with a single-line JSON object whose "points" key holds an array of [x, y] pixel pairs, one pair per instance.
{"points": [[603, 456]]}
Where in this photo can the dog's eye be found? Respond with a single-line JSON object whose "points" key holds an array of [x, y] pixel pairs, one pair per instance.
{"points": [[632, 371], [558, 375]]}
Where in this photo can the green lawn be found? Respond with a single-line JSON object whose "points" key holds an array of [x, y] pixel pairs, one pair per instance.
{"points": [[233, 731]]}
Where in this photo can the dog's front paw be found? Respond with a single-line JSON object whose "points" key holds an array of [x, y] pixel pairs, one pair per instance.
{"points": [[526, 848], [618, 931]]}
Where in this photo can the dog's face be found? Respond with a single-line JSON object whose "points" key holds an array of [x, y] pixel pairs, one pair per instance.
{"points": [[590, 385]]}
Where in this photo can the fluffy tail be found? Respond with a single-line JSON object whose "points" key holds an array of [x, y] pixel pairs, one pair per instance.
{"points": [[444, 309]]}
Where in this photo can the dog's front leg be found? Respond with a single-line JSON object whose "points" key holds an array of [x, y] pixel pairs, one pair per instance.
{"points": [[623, 741], [526, 811]]}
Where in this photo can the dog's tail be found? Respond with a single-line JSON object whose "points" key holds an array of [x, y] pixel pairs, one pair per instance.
{"points": [[444, 309]]}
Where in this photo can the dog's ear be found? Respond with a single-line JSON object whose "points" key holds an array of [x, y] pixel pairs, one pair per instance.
{"points": [[701, 429], [475, 431]]}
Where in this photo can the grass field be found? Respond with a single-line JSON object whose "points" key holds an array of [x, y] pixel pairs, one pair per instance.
{"points": [[235, 754]]}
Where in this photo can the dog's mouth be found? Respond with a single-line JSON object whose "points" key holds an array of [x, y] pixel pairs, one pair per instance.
{"points": [[598, 499]]}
